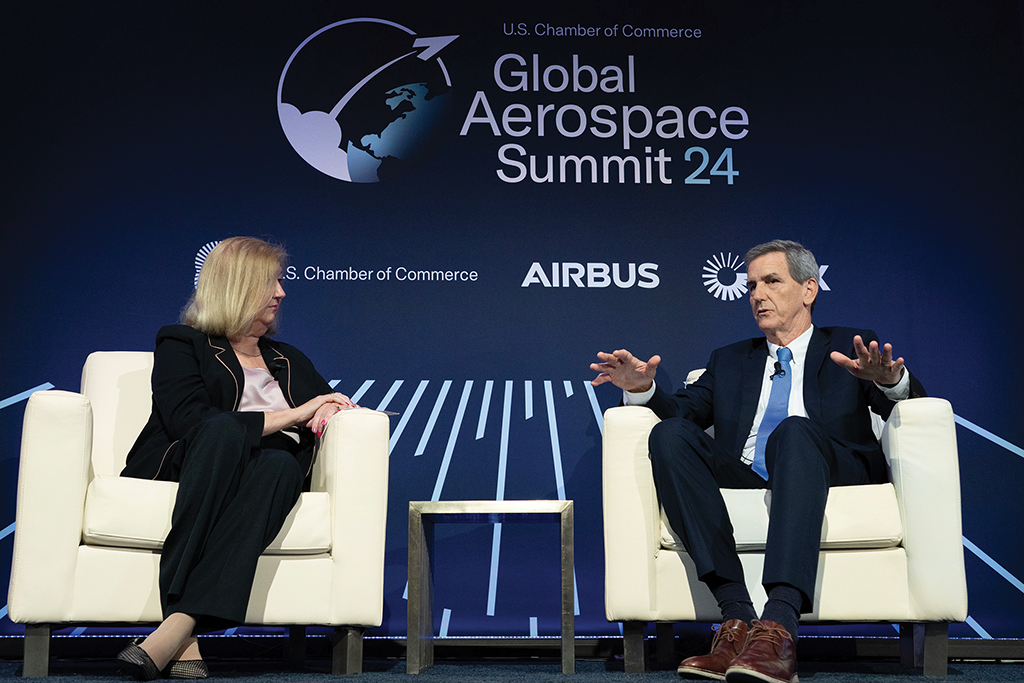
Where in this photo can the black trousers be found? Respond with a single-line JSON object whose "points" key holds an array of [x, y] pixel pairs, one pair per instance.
{"points": [[802, 461], [231, 503]]}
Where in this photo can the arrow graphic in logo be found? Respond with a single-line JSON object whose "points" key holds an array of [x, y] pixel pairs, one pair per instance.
{"points": [[318, 136]]}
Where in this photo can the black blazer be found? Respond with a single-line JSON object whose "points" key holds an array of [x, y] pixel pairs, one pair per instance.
{"points": [[726, 395], [197, 376]]}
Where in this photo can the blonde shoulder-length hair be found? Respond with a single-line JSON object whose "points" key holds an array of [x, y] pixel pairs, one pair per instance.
{"points": [[236, 282]]}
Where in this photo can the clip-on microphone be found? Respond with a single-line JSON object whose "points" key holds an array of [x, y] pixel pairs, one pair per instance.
{"points": [[779, 372]]}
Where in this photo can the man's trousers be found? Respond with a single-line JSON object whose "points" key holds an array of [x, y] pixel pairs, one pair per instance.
{"points": [[802, 461]]}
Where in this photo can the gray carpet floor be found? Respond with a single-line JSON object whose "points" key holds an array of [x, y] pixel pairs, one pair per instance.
{"points": [[520, 671]]}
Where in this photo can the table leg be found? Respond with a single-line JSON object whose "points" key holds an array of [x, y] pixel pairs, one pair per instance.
{"points": [[568, 611], [420, 627]]}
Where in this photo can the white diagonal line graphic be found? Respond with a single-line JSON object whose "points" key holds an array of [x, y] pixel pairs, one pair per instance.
{"points": [[383, 405], [499, 494], [593, 404], [407, 414], [556, 455], [25, 394], [978, 628], [485, 404], [452, 438], [362, 390], [441, 396], [989, 435], [556, 451], [998, 568]]}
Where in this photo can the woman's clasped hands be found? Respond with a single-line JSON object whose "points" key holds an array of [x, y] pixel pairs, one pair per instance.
{"points": [[322, 408]]}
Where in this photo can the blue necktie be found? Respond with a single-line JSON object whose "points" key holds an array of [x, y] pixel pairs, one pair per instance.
{"points": [[776, 412]]}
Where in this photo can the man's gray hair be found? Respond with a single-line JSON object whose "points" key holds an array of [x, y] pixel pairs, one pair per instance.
{"points": [[802, 264]]}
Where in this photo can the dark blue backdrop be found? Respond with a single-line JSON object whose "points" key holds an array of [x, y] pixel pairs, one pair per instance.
{"points": [[887, 138]]}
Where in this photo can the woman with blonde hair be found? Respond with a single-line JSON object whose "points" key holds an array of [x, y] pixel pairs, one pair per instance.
{"points": [[234, 419]]}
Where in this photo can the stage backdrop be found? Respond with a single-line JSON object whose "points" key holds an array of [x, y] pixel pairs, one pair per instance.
{"points": [[477, 197]]}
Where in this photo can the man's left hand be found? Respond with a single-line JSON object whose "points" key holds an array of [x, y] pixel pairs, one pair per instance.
{"points": [[871, 362]]}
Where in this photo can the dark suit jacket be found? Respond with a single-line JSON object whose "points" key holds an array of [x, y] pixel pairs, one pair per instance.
{"points": [[197, 376], [726, 395]]}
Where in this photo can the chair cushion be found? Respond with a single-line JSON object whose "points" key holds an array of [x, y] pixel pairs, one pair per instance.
{"points": [[136, 513], [855, 517]]}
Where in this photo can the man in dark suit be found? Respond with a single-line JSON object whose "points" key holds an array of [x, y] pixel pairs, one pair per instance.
{"points": [[786, 418]]}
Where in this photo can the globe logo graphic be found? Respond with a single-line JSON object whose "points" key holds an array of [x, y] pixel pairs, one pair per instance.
{"points": [[363, 100]]}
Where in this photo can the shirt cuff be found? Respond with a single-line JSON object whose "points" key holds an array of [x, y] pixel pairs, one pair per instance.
{"points": [[638, 399], [899, 392]]}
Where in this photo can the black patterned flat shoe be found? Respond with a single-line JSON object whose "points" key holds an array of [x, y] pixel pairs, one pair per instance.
{"points": [[188, 669], [137, 663]]}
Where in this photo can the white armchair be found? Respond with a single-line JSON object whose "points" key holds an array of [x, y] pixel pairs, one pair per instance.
{"points": [[87, 541], [889, 553]]}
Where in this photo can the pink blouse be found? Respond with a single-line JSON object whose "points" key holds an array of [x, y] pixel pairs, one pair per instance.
{"points": [[262, 394]]}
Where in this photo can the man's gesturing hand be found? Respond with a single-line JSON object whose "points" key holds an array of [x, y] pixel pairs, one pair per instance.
{"points": [[625, 371], [871, 363]]}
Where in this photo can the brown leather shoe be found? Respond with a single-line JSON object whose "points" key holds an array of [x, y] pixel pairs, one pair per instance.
{"points": [[768, 655], [728, 643]]}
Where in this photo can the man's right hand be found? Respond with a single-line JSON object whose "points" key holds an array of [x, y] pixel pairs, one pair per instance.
{"points": [[625, 371]]}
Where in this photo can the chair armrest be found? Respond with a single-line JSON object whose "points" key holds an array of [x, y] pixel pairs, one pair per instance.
{"points": [[919, 441], [353, 468], [53, 475], [632, 518]]}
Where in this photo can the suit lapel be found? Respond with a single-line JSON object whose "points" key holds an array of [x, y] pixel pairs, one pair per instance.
{"points": [[280, 367], [817, 352], [751, 378], [221, 346]]}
